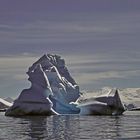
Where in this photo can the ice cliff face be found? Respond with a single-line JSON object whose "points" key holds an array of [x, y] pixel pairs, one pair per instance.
{"points": [[49, 79], [60, 81], [34, 101]]}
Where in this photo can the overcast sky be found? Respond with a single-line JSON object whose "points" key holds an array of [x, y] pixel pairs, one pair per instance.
{"points": [[99, 39]]}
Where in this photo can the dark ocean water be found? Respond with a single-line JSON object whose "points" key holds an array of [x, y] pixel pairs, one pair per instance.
{"points": [[71, 127]]}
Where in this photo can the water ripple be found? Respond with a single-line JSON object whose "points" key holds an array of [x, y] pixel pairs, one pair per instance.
{"points": [[71, 127]]}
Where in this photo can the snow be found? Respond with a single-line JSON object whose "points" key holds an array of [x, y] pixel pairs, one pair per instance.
{"points": [[8, 104]]}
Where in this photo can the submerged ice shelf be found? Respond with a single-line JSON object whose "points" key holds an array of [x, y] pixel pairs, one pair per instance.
{"points": [[54, 91]]}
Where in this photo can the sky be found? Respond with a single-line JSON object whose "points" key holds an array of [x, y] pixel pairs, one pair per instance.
{"points": [[99, 40]]}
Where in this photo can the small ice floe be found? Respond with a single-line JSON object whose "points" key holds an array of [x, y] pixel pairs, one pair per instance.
{"points": [[109, 104]]}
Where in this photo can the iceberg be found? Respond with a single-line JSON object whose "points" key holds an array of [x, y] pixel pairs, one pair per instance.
{"points": [[109, 104], [132, 107], [135, 109], [35, 100], [53, 91], [4, 104]]}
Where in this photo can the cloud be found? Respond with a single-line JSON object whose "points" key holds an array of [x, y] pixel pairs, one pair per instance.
{"points": [[116, 69], [89, 32], [99, 44], [92, 77], [14, 68], [90, 71]]}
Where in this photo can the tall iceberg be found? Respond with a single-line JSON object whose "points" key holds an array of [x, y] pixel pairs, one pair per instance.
{"points": [[51, 92]]}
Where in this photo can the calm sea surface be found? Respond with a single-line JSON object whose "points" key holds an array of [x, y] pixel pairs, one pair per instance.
{"points": [[71, 127]]}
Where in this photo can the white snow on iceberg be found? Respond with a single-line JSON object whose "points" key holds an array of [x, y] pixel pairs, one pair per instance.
{"points": [[4, 104]]}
